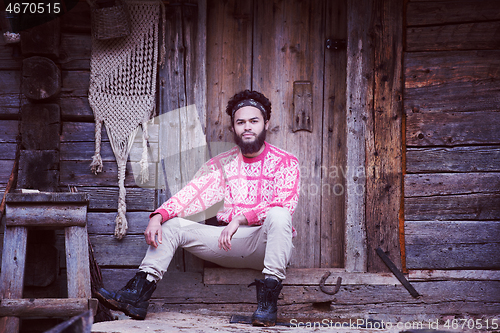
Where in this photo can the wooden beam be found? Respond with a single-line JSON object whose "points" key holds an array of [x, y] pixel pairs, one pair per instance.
{"points": [[77, 262], [453, 159], [359, 103], [447, 275], [384, 147], [299, 276], [46, 307], [12, 277], [46, 215]]}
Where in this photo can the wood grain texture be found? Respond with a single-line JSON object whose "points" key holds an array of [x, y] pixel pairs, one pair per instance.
{"points": [[450, 295], [230, 26], [424, 184], [334, 140], [104, 198], [426, 69], [288, 38], [452, 128], [359, 105], [384, 148], [453, 207], [74, 51], [10, 89], [44, 307], [12, 277], [299, 276], [77, 262], [455, 11], [461, 36], [453, 159]]}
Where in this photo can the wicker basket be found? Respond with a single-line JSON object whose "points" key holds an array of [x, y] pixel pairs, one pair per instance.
{"points": [[110, 22]]}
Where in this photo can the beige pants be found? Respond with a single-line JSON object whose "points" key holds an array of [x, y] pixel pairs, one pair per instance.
{"points": [[267, 247]]}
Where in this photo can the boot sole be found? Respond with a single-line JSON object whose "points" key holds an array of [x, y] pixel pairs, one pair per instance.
{"points": [[127, 309], [256, 322]]}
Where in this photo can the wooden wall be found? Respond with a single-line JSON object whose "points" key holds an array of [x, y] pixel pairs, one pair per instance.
{"points": [[77, 145], [452, 107]]}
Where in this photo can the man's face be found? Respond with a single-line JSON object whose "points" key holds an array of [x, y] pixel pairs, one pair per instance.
{"points": [[249, 129]]}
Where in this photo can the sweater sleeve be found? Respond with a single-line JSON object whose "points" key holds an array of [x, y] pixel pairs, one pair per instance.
{"points": [[285, 194], [205, 190]]}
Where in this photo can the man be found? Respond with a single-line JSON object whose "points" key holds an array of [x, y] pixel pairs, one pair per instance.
{"points": [[259, 184]]}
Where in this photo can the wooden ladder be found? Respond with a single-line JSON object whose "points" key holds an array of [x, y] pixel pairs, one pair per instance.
{"points": [[48, 211]]}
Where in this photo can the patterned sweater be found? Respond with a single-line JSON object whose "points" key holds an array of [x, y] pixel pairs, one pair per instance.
{"points": [[248, 186]]}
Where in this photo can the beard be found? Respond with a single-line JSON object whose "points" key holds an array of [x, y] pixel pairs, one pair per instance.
{"points": [[250, 147]]}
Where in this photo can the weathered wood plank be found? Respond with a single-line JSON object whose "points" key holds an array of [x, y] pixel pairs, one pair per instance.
{"points": [[9, 130], [228, 23], [452, 128], [78, 151], [422, 185], [76, 109], [444, 67], [453, 159], [453, 256], [446, 12], [359, 103], [46, 215], [77, 19], [450, 275], [334, 137], [10, 88], [298, 276], [12, 277], [456, 232], [479, 95], [384, 138], [5, 170], [7, 151], [44, 307], [7, 59], [414, 314], [463, 36], [453, 207], [84, 131], [77, 262], [75, 83], [190, 289], [105, 198], [74, 53], [104, 223], [78, 173], [286, 45], [110, 251]]}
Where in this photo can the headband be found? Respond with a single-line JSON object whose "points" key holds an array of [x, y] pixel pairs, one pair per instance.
{"points": [[250, 102]]}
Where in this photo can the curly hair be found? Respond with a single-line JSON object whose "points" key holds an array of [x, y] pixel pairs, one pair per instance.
{"points": [[249, 94]]}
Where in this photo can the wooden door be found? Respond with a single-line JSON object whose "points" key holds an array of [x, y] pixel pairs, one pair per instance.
{"points": [[292, 52]]}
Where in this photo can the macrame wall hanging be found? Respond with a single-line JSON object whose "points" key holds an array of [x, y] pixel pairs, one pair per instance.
{"points": [[122, 91]]}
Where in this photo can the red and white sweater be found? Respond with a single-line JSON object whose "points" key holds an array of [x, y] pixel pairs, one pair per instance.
{"points": [[248, 186]]}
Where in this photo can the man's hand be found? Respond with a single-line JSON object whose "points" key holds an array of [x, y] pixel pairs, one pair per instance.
{"points": [[153, 230], [228, 232]]}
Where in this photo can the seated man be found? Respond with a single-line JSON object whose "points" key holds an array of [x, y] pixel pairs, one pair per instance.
{"points": [[259, 184]]}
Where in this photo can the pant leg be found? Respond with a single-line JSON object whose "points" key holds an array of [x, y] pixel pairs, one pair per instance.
{"points": [[249, 247], [278, 240]]}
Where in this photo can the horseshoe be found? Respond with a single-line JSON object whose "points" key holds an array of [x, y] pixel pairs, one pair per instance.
{"points": [[322, 284]]}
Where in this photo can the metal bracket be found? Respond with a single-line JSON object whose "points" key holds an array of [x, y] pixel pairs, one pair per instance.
{"points": [[336, 44]]}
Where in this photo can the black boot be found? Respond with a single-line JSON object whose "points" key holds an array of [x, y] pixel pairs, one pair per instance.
{"points": [[268, 291], [133, 299]]}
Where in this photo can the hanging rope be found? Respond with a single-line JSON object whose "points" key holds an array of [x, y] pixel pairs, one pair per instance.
{"points": [[122, 91]]}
